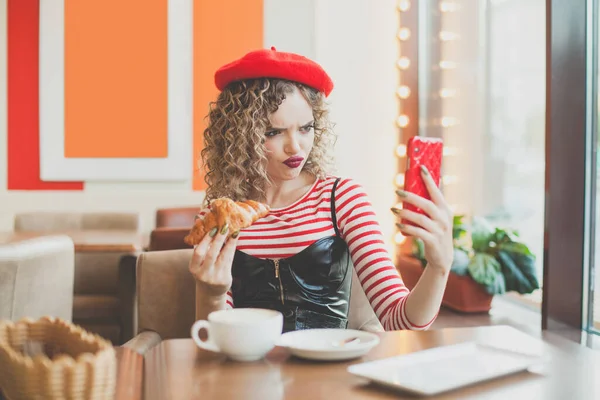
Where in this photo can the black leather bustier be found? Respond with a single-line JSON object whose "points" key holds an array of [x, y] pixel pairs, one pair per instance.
{"points": [[311, 288]]}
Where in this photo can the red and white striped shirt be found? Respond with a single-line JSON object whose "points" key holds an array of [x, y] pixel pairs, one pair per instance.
{"points": [[287, 231]]}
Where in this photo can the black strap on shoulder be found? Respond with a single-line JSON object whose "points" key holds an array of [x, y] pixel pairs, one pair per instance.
{"points": [[333, 217]]}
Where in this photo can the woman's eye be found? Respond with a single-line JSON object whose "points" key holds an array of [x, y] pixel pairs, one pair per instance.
{"points": [[271, 133], [307, 128]]}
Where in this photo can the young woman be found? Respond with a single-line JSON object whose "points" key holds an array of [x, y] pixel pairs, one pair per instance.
{"points": [[269, 139]]}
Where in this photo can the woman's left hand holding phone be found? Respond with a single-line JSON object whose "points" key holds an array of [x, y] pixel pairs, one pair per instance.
{"points": [[434, 228]]}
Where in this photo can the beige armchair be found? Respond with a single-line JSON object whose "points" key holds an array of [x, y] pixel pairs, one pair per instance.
{"points": [[166, 300], [36, 278], [100, 303]]}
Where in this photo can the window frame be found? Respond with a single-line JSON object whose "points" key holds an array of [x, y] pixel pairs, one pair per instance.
{"points": [[569, 211]]}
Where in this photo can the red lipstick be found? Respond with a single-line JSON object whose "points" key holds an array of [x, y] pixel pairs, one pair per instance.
{"points": [[294, 162]]}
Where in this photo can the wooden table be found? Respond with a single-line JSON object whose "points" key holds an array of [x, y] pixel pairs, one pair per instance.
{"points": [[122, 241], [177, 369], [130, 369]]}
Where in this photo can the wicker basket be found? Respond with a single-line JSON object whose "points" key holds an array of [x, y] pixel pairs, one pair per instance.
{"points": [[70, 363]]}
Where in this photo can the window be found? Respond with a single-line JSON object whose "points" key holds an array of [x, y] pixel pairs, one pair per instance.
{"points": [[483, 70]]}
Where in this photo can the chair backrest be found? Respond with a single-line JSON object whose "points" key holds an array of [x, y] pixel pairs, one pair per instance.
{"points": [[36, 278], [166, 293], [166, 296], [178, 217], [168, 239], [65, 221]]}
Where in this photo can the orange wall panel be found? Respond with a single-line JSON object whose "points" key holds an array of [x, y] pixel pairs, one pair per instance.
{"points": [[223, 30], [116, 78]]}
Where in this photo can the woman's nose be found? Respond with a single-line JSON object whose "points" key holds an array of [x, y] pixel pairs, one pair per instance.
{"points": [[292, 145]]}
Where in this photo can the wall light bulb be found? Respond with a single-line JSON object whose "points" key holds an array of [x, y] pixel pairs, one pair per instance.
{"points": [[402, 121], [447, 36], [403, 63], [448, 6], [449, 179], [446, 93], [399, 180], [403, 92], [447, 64], [404, 5], [450, 151], [401, 150], [403, 33], [447, 122], [399, 238]]}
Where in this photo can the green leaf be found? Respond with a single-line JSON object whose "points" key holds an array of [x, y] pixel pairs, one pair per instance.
{"points": [[513, 235], [505, 236], [498, 286], [519, 271], [516, 247], [458, 220], [460, 263], [484, 269], [419, 251], [481, 235], [459, 228]]}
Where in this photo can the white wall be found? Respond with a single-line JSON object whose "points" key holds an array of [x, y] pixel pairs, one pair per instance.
{"points": [[355, 42]]}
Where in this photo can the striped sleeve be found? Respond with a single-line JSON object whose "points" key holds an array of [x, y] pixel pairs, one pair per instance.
{"points": [[229, 300], [378, 276]]}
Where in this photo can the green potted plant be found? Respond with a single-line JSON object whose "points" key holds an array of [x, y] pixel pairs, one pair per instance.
{"points": [[488, 260]]}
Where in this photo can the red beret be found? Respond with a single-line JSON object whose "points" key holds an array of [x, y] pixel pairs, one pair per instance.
{"points": [[275, 64]]}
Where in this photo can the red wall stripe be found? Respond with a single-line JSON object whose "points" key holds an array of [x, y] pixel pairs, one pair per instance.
{"points": [[23, 162]]}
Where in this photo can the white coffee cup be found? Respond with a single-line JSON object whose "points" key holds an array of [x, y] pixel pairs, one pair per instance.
{"points": [[243, 334]]}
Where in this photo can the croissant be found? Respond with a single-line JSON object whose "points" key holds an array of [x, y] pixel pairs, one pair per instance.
{"points": [[238, 215]]}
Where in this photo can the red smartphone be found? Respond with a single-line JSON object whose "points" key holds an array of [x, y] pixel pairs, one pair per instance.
{"points": [[421, 151]]}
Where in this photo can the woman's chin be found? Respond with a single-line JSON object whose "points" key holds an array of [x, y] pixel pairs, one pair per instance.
{"points": [[289, 174]]}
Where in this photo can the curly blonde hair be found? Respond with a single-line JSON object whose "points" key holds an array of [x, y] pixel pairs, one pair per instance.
{"points": [[234, 155]]}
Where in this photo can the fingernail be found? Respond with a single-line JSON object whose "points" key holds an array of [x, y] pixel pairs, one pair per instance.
{"points": [[213, 232], [401, 226], [395, 210], [224, 229], [424, 170], [401, 193], [235, 234]]}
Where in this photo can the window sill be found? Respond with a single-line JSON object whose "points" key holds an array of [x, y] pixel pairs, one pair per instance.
{"points": [[532, 300]]}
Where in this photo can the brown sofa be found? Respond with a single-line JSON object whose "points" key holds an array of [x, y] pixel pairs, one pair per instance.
{"points": [[36, 278], [100, 304], [166, 300], [176, 217]]}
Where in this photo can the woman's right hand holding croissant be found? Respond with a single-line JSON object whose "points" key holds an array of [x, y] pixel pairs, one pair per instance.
{"points": [[212, 260]]}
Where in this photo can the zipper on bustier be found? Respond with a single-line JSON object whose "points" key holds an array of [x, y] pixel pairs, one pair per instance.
{"points": [[278, 276]]}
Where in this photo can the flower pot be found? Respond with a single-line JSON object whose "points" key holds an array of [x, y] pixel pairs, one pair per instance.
{"points": [[462, 293]]}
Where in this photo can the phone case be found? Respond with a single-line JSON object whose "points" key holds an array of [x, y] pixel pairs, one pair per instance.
{"points": [[421, 151]]}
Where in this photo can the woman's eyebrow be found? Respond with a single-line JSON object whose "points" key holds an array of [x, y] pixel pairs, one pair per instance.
{"points": [[272, 128]]}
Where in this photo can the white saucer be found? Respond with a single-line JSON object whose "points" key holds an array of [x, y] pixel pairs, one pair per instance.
{"points": [[323, 344]]}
